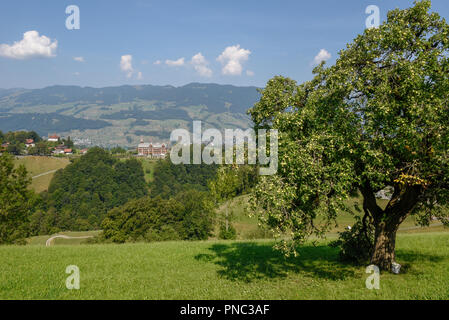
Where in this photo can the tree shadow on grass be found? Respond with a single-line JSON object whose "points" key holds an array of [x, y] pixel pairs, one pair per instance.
{"points": [[248, 261], [410, 259]]}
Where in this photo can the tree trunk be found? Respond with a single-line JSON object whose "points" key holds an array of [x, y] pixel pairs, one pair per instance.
{"points": [[387, 221], [384, 246], [227, 223]]}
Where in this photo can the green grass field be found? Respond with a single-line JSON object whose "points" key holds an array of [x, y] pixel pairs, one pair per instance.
{"points": [[148, 168], [219, 270], [40, 165], [248, 268]]}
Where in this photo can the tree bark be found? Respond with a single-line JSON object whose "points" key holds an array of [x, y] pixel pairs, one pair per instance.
{"points": [[386, 222], [384, 246]]}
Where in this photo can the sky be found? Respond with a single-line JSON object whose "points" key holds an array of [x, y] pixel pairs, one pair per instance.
{"points": [[166, 42]]}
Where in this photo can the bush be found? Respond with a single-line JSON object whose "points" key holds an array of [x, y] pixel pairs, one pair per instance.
{"points": [[230, 234], [356, 244], [165, 233], [188, 216]]}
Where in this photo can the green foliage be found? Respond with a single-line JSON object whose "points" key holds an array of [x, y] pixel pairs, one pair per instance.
{"points": [[80, 194], [40, 148], [379, 117], [170, 179], [224, 186], [15, 148], [16, 201], [188, 216], [118, 150], [229, 182], [229, 233], [68, 143], [17, 137], [356, 244]]}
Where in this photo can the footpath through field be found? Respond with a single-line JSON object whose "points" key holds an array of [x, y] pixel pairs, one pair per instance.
{"points": [[48, 242]]}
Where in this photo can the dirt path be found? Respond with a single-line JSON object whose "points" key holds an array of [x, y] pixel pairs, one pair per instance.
{"points": [[44, 174], [48, 242]]}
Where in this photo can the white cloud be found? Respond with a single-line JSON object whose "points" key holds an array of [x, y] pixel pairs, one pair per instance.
{"points": [[175, 63], [79, 59], [31, 46], [157, 62], [232, 58], [201, 65], [249, 73], [76, 74], [126, 65], [323, 55], [139, 75]]}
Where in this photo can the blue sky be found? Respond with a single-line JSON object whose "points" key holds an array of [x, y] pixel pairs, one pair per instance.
{"points": [[255, 40]]}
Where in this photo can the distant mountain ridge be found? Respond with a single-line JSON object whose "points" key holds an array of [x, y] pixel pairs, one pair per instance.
{"points": [[213, 95], [118, 115]]}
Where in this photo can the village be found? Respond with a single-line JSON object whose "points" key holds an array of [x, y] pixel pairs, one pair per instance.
{"points": [[23, 143]]}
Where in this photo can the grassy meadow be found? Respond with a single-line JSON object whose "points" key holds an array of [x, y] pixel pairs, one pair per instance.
{"points": [[219, 270], [247, 268], [38, 166]]}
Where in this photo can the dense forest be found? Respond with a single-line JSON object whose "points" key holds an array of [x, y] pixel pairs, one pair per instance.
{"points": [[104, 189], [80, 195]]}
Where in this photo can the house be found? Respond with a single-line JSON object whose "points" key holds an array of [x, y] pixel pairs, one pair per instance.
{"points": [[53, 138], [83, 151], [29, 143], [156, 150], [68, 151], [59, 150], [4, 146]]}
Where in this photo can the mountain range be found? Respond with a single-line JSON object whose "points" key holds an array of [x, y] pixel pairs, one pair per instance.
{"points": [[123, 115]]}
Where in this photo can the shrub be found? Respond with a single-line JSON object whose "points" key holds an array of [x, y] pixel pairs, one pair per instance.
{"points": [[230, 234], [356, 244]]}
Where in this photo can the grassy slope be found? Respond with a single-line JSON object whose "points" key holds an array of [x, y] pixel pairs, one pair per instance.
{"points": [[39, 165], [247, 227], [148, 168], [219, 270]]}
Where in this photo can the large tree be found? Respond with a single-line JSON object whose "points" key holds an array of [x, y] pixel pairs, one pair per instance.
{"points": [[377, 118], [16, 201]]}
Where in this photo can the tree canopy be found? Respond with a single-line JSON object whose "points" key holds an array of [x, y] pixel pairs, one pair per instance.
{"points": [[187, 216], [377, 118], [86, 189], [16, 201]]}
